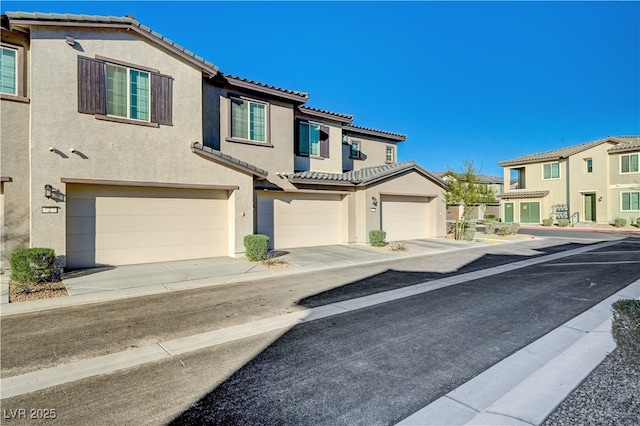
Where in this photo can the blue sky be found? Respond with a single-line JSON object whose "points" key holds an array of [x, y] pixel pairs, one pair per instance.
{"points": [[480, 81]]}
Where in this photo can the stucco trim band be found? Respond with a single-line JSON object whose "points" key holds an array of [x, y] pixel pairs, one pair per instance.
{"points": [[307, 191], [403, 194], [147, 184]]}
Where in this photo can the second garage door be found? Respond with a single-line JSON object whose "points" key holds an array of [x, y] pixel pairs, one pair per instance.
{"points": [[300, 220], [405, 217], [113, 225]]}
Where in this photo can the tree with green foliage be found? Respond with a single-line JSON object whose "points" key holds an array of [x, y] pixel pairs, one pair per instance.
{"points": [[464, 189]]}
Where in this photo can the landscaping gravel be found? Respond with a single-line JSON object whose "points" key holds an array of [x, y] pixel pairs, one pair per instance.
{"points": [[610, 395]]}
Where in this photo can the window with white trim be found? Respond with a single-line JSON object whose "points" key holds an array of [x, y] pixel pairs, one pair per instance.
{"points": [[551, 171], [9, 71], [630, 201], [248, 120], [128, 92], [588, 165], [629, 163], [390, 156]]}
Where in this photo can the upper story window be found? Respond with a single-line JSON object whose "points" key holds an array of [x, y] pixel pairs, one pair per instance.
{"points": [[588, 162], [248, 120], [355, 149], [117, 91], [9, 71], [551, 171], [629, 163], [519, 176], [312, 140], [128, 92], [630, 201], [390, 156]]}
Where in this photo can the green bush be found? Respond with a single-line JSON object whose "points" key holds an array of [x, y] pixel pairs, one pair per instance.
{"points": [[33, 265], [506, 228], [626, 328], [619, 222], [547, 222], [491, 217], [256, 246], [563, 222], [490, 227], [377, 237], [469, 231]]}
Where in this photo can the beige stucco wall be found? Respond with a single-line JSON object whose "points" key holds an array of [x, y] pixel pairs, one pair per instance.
{"points": [[410, 183], [581, 182], [374, 151], [619, 183], [111, 150], [14, 164]]}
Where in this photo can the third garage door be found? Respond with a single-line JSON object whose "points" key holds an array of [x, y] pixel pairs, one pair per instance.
{"points": [[300, 220], [405, 217]]}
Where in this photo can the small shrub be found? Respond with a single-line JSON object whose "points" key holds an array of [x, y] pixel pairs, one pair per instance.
{"points": [[563, 223], [469, 231], [33, 265], [256, 246], [547, 222], [619, 222], [626, 328], [451, 228], [377, 237], [507, 228], [491, 217], [490, 227], [398, 246], [638, 222]]}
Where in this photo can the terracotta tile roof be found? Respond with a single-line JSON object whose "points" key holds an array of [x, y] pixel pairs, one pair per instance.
{"points": [[267, 88], [560, 153], [524, 194], [629, 143], [363, 176], [487, 179], [373, 132], [227, 160], [37, 18], [345, 118]]}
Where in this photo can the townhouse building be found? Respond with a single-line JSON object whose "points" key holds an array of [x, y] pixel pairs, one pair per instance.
{"points": [[596, 181], [137, 150]]}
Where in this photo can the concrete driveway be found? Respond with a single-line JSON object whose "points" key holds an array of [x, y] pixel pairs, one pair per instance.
{"points": [[220, 270]]}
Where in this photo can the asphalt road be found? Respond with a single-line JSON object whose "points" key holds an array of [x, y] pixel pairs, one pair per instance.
{"points": [[373, 366]]}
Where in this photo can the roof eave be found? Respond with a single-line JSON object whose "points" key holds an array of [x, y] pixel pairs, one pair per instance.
{"points": [[342, 118], [372, 132], [211, 70], [320, 182], [266, 90], [198, 149]]}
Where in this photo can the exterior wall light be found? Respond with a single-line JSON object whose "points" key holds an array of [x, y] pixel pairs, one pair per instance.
{"points": [[374, 201], [48, 191]]}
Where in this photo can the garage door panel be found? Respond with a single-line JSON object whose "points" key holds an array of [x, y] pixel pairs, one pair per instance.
{"points": [[126, 225], [405, 218], [300, 220]]}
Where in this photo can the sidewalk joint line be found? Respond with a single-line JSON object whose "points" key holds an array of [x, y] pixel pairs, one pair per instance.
{"points": [[165, 349], [511, 417]]}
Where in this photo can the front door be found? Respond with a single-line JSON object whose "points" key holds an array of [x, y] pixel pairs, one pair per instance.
{"points": [[508, 212], [590, 207]]}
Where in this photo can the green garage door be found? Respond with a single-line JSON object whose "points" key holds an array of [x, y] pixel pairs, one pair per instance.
{"points": [[530, 212]]}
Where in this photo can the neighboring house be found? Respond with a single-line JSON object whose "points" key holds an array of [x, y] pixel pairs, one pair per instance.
{"points": [[480, 211], [596, 181], [136, 150]]}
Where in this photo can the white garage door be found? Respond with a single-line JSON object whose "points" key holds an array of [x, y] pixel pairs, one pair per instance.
{"points": [[113, 225], [405, 217], [300, 220]]}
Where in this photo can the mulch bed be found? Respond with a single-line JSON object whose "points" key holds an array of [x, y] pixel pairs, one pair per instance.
{"points": [[18, 293]]}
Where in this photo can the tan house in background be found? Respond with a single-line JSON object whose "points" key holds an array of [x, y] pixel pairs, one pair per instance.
{"points": [[596, 182], [137, 150]]}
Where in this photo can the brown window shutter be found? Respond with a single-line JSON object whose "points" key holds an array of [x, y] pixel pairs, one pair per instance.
{"points": [[324, 141], [91, 87], [162, 99]]}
